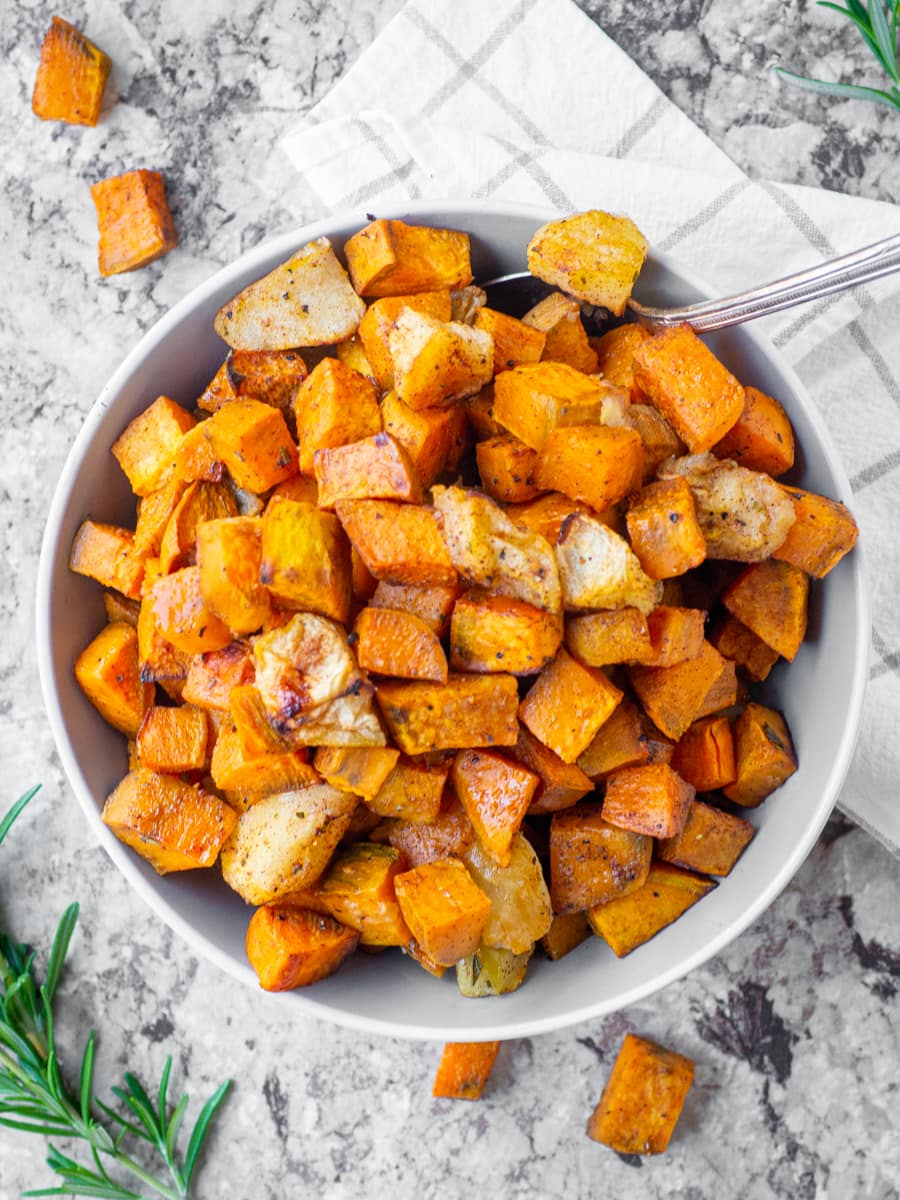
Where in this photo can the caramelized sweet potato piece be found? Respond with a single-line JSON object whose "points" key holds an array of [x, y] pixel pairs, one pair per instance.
{"points": [[664, 531], [305, 559], [444, 907], [70, 78], [211, 676], [735, 641], [500, 633], [229, 555], [399, 543], [761, 438], [672, 697], [172, 740], [451, 833], [358, 890], [174, 826], [248, 776], [643, 1098], [253, 724], [109, 675], [426, 435], [559, 318], [399, 644], [392, 258], [134, 221], [182, 615], [597, 464], [615, 357], [334, 405], [764, 755], [195, 459], [561, 784], [770, 598], [358, 769], [566, 931], [532, 400], [621, 741], [495, 794], [676, 634], [433, 605], [107, 554], [145, 449], [468, 711], [375, 468], [604, 638], [660, 439], [711, 842], [628, 921], [159, 661], [154, 511], [412, 791], [291, 947], [567, 705], [594, 256], [375, 328], [822, 533], [271, 376], [704, 755], [514, 341], [201, 502], [253, 441], [464, 1069], [592, 861], [506, 467], [651, 799], [437, 363], [546, 515]]}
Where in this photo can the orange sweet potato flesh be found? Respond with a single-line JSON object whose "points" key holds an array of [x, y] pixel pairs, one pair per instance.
{"points": [[559, 317], [107, 554], [174, 826], [154, 512], [615, 357], [514, 341], [271, 376], [532, 400], [761, 438], [676, 634], [468, 711], [433, 605], [643, 1098], [823, 532], [374, 468], [109, 675], [253, 441], [651, 799], [253, 723], [71, 77], [566, 931], [561, 784], [696, 394], [229, 554], [248, 776], [621, 741], [358, 890], [172, 740], [292, 947], [764, 755], [426, 435], [445, 909], [604, 638], [358, 769], [305, 562], [506, 468], [735, 641], [464, 1069], [183, 618], [211, 676], [399, 644], [495, 794], [704, 756], [334, 405], [500, 633], [664, 531], [567, 705], [673, 696], [375, 328], [451, 833], [628, 921], [201, 503], [711, 842], [771, 599], [399, 543], [546, 515], [135, 224], [392, 258], [413, 792], [146, 447], [596, 464], [592, 861]]}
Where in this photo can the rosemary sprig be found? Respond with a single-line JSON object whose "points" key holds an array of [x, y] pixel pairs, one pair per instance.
{"points": [[35, 1099], [877, 22]]}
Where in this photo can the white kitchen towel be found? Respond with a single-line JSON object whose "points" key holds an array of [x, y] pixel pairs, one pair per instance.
{"points": [[528, 100]]}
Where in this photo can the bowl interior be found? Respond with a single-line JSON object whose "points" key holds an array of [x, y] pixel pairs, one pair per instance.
{"points": [[820, 693]]}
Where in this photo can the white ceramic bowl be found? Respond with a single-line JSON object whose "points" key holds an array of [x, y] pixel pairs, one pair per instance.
{"points": [[821, 693]]}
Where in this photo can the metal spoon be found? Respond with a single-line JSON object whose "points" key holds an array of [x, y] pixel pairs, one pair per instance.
{"points": [[519, 292]]}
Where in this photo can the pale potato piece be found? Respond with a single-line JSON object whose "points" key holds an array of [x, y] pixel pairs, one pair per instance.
{"points": [[594, 256], [285, 841], [307, 301], [491, 972], [465, 303], [598, 569], [520, 902], [491, 551], [745, 516], [437, 363]]}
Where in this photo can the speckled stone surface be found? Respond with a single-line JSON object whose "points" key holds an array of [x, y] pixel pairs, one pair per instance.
{"points": [[794, 1028]]}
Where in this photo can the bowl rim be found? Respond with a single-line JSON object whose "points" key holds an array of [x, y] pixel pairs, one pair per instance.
{"points": [[304, 1002]]}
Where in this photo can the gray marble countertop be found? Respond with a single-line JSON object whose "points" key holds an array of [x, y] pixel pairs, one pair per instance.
{"points": [[794, 1027]]}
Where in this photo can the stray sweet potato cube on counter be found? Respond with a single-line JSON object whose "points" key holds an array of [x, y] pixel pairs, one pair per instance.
{"points": [[567, 705], [468, 711], [444, 907], [822, 533], [500, 633], [761, 438], [174, 826], [643, 1098], [561, 784], [399, 644], [437, 363], [375, 328], [292, 947], [374, 468], [107, 554], [145, 449], [764, 755], [210, 677], [358, 769], [109, 675], [253, 441], [704, 755], [672, 697], [305, 561], [70, 78], [597, 464], [399, 543], [229, 555], [735, 641], [134, 221], [695, 392], [628, 921], [771, 598], [711, 842], [532, 400], [412, 791], [651, 799], [464, 1069], [604, 638], [664, 531], [433, 605], [558, 317], [615, 357], [506, 467], [495, 794], [172, 740], [391, 258], [182, 615], [334, 405], [358, 890], [592, 861], [451, 833], [514, 341], [594, 256]]}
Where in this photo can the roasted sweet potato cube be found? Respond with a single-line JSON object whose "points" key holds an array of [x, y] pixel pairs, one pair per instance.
{"points": [[248, 776], [711, 841], [672, 697], [651, 799], [426, 435], [433, 605], [604, 638], [70, 78], [725, 692], [174, 826], [532, 400], [145, 449], [704, 755], [437, 363], [444, 908], [253, 441], [229, 555], [628, 921], [376, 325], [107, 554], [695, 392], [615, 357], [735, 641], [195, 459], [398, 643], [173, 740], [159, 661], [464, 1069], [468, 711], [292, 947], [351, 353], [664, 531], [567, 705], [391, 258], [358, 769], [546, 515], [822, 533], [217, 392], [271, 376], [211, 676], [659, 438], [412, 791], [253, 724], [621, 741], [761, 438], [298, 487], [374, 468], [334, 405], [592, 861], [559, 318], [771, 598], [495, 794], [598, 569], [506, 467], [358, 890], [201, 502], [643, 1098], [134, 221], [676, 634], [514, 341], [764, 755], [154, 511], [451, 833], [561, 784], [566, 931], [499, 633], [182, 615], [306, 559], [109, 675], [594, 256], [597, 464], [399, 543]]}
